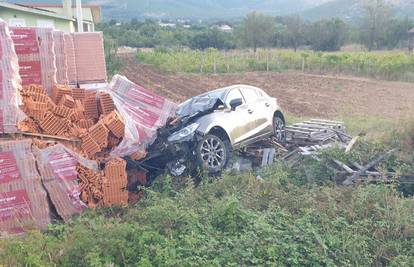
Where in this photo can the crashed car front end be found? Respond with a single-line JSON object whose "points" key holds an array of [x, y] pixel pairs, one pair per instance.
{"points": [[174, 148]]}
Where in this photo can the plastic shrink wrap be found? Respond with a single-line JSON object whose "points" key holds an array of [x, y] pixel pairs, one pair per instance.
{"points": [[10, 83], [35, 51], [143, 112]]}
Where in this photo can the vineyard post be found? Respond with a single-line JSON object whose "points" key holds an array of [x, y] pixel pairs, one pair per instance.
{"points": [[303, 64], [267, 61], [215, 64], [202, 62]]}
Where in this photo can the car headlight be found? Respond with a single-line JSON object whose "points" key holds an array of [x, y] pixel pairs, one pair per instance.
{"points": [[184, 133]]}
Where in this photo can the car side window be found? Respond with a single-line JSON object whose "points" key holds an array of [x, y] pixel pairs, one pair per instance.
{"points": [[249, 94], [233, 94]]}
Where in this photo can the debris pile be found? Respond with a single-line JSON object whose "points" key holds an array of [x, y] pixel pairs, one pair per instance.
{"points": [[73, 113], [79, 127]]}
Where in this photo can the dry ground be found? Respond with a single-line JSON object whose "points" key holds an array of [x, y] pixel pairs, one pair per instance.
{"points": [[299, 94]]}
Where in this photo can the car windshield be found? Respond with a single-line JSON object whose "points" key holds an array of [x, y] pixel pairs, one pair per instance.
{"points": [[200, 103], [217, 94]]}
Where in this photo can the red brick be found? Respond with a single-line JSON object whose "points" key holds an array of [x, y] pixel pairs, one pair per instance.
{"points": [[91, 105], [89, 146], [99, 133], [106, 104], [63, 112], [58, 91], [114, 123], [67, 101], [53, 125]]}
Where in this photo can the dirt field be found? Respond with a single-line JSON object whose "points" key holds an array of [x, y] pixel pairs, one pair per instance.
{"points": [[299, 94]]}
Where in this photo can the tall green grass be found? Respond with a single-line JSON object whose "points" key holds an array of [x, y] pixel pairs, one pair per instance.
{"points": [[383, 65], [289, 217]]}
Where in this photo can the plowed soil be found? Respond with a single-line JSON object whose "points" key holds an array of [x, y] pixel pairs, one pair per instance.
{"points": [[299, 94]]}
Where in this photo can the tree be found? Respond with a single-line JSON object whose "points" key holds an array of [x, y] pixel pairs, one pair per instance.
{"points": [[212, 38], [396, 34], [328, 35], [377, 14], [294, 33], [257, 30]]}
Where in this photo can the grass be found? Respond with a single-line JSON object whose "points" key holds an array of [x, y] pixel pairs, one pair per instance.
{"points": [[294, 216]]}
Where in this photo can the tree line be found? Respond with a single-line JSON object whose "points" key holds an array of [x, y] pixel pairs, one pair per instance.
{"points": [[377, 29]]}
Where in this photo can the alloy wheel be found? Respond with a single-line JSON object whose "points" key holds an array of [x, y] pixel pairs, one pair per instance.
{"points": [[213, 153]]}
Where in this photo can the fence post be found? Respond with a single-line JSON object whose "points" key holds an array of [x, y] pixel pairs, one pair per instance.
{"points": [[267, 61], [215, 65], [303, 64], [202, 62]]}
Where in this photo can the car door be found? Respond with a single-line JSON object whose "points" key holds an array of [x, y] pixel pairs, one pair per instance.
{"points": [[240, 122], [259, 110]]}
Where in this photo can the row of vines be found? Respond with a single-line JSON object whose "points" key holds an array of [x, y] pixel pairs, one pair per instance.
{"points": [[382, 65]]}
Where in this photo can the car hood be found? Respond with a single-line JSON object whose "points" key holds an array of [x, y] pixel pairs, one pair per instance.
{"points": [[198, 106]]}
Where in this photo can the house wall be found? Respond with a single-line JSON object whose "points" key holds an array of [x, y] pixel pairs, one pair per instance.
{"points": [[88, 19], [32, 20]]}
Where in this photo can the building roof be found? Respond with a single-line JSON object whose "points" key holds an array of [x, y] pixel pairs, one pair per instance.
{"points": [[411, 31], [33, 10]]}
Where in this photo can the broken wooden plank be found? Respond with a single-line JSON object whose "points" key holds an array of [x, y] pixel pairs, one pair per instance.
{"points": [[328, 121], [46, 136], [343, 166], [350, 180], [351, 144]]}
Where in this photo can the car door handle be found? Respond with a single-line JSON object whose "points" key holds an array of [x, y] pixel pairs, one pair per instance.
{"points": [[250, 111], [267, 105]]}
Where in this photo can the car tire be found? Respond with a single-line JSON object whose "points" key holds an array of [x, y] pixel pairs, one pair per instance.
{"points": [[213, 153], [279, 129]]}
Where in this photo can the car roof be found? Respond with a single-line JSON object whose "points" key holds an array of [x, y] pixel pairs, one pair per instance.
{"points": [[228, 88]]}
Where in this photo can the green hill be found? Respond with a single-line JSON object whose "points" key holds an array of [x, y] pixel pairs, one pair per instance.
{"points": [[352, 10], [194, 9]]}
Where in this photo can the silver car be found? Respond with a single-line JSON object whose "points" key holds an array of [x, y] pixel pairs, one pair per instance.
{"points": [[214, 124]]}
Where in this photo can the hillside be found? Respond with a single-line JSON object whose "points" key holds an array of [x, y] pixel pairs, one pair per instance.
{"points": [[193, 9], [352, 10]]}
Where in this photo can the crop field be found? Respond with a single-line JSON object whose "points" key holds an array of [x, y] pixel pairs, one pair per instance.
{"points": [[363, 102], [387, 65]]}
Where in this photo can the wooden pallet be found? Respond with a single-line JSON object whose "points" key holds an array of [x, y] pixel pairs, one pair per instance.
{"points": [[316, 132]]}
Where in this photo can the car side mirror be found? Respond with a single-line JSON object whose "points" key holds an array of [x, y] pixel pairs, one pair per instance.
{"points": [[236, 103]]}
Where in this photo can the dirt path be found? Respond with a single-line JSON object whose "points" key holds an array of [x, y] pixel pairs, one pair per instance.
{"points": [[299, 94]]}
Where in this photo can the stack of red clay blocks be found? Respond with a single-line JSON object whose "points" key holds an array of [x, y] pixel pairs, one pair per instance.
{"points": [[115, 183], [73, 113], [104, 188]]}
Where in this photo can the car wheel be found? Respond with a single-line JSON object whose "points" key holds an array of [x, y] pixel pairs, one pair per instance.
{"points": [[279, 129], [213, 153]]}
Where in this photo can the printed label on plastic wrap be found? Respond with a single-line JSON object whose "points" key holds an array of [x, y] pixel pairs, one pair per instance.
{"points": [[74, 196], [1, 50], [15, 204], [142, 95], [63, 166], [1, 83], [8, 168], [30, 72], [1, 121], [25, 40]]}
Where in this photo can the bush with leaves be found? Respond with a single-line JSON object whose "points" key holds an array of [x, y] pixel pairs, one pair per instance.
{"points": [[283, 219]]}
